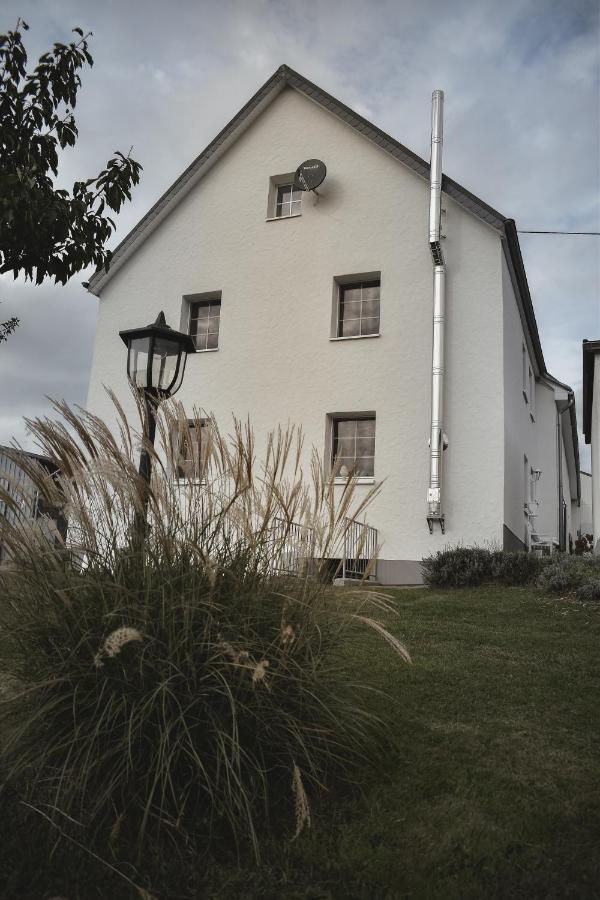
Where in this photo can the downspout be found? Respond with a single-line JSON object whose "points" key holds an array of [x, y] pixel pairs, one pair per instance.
{"points": [[437, 439]]}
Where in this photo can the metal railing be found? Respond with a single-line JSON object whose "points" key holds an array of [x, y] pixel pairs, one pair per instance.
{"points": [[360, 551], [291, 543]]}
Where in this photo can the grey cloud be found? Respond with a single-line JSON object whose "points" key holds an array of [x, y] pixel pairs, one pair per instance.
{"points": [[522, 129]]}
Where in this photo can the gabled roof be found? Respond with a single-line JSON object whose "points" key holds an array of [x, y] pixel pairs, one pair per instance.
{"points": [[590, 350], [286, 77], [283, 77]]}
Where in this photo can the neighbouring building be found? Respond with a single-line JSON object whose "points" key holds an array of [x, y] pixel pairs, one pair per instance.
{"points": [[318, 308], [591, 425], [21, 489]]}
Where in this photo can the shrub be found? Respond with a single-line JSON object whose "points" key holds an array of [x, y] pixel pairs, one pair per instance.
{"points": [[515, 568], [173, 685], [458, 567], [471, 566], [589, 592], [564, 573]]}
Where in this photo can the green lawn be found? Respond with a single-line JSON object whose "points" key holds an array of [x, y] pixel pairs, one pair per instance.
{"points": [[492, 790]]}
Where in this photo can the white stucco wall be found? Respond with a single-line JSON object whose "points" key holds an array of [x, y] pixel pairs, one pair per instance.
{"points": [[275, 360], [596, 454], [582, 514], [521, 418], [546, 453]]}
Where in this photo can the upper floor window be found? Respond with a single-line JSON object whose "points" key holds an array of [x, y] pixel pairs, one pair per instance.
{"points": [[353, 446], [357, 307], [205, 318], [288, 201], [285, 199], [191, 450]]}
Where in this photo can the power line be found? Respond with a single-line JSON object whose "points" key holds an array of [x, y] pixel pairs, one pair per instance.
{"points": [[524, 231]]}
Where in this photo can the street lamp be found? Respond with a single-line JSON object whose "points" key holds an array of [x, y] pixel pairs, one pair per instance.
{"points": [[156, 357]]}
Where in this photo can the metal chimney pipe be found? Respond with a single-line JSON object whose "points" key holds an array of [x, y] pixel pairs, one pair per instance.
{"points": [[435, 189], [437, 437]]}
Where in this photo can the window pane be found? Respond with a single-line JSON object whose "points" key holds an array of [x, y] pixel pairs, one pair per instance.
{"points": [[369, 326], [345, 447], [350, 293], [344, 465], [365, 466], [212, 341], [200, 310], [349, 328], [201, 326], [345, 428], [365, 427], [296, 207], [284, 192], [371, 292], [365, 446], [350, 309], [369, 308]]}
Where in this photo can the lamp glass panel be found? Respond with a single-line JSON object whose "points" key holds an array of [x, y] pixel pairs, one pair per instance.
{"points": [[137, 364], [164, 363]]}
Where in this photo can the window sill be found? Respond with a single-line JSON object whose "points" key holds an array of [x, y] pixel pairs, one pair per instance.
{"points": [[206, 350], [282, 218], [356, 337], [361, 479]]}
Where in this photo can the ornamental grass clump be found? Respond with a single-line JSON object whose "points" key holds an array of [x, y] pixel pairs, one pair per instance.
{"points": [[175, 684]]}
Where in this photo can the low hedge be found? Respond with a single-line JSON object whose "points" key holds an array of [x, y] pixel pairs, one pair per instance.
{"points": [[472, 566]]}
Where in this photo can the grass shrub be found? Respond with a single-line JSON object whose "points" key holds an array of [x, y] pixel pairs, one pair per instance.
{"points": [[176, 688]]}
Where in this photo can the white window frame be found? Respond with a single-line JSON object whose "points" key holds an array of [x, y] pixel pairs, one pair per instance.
{"points": [[276, 182], [332, 419], [191, 300], [342, 283]]}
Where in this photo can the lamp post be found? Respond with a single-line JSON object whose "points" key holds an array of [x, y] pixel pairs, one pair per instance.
{"points": [[156, 357]]}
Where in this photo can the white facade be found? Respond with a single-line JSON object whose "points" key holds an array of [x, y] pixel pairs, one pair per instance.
{"points": [[278, 359]]}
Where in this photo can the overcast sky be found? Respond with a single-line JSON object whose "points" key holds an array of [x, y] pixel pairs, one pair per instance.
{"points": [[521, 131]]}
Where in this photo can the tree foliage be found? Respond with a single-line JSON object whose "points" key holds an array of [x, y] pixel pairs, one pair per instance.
{"points": [[46, 231]]}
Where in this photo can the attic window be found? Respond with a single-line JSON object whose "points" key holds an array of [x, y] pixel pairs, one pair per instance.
{"points": [[285, 199]]}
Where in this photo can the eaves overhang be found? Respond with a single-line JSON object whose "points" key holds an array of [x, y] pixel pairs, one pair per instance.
{"points": [[591, 349]]}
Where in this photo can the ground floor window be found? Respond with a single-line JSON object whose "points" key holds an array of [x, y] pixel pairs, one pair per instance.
{"points": [[353, 446]]}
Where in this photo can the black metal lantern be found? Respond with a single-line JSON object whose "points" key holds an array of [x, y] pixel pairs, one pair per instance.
{"points": [[156, 357]]}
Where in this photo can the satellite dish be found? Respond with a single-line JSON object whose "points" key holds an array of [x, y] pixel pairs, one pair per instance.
{"points": [[310, 174]]}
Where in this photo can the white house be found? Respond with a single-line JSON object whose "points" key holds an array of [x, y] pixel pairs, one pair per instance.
{"points": [[318, 308], [591, 425]]}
